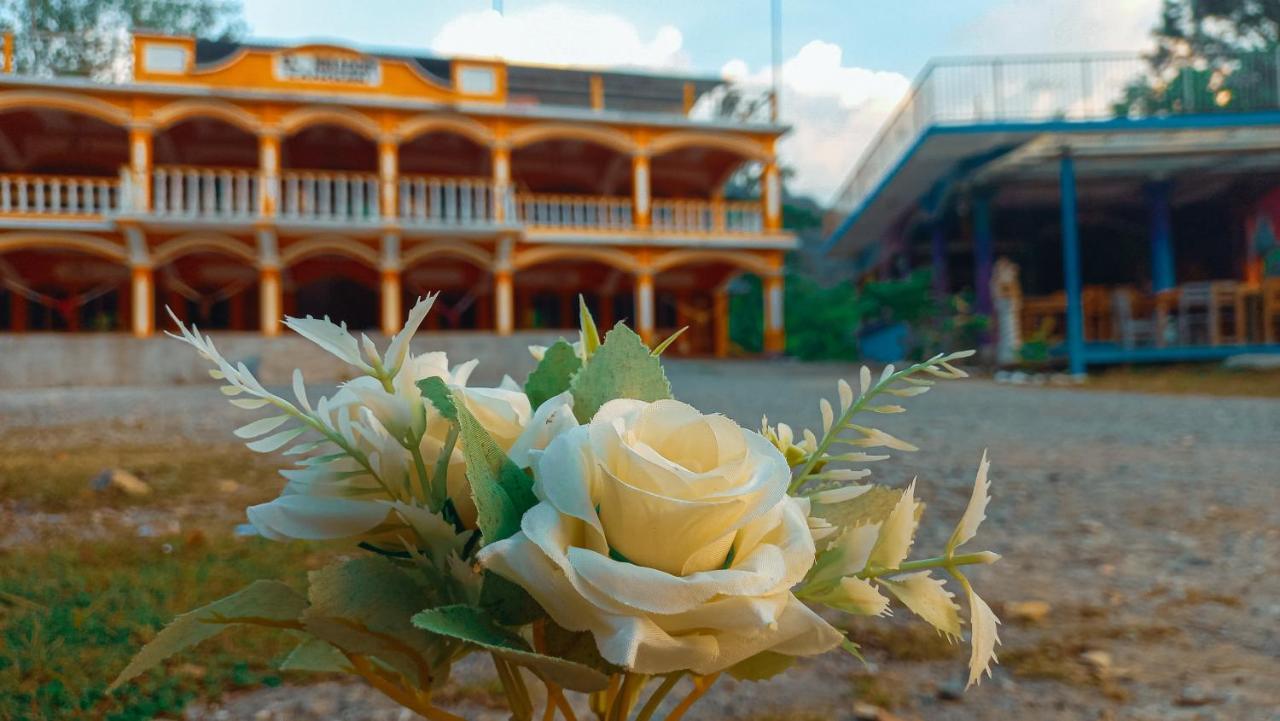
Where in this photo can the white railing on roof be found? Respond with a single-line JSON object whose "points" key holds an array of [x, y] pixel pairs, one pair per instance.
{"points": [[1058, 88]]}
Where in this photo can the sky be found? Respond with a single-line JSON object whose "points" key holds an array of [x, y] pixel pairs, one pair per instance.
{"points": [[846, 63]]}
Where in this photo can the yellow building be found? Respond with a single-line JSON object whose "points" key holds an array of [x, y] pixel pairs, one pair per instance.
{"points": [[235, 183]]}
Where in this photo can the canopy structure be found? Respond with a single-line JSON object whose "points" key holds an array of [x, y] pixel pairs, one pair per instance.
{"points": [[1060, 164]]}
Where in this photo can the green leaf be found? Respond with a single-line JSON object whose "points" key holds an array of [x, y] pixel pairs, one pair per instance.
{"points": [[501, 490], [552, 376], [261, 602], [590, 334], [657, 350], [364, 605], [872, 506], [622, 368], [471, 625], [762, 666], [508, 603], [316, 656]]}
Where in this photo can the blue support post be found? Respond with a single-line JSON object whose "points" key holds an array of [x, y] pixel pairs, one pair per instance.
{"points": [[1163, 276], [1071, 266], [983, 257], [938, 251]]}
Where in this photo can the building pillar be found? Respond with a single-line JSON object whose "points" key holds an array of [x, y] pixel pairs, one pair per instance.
{"points": [[720, 322], [140, 167], [1163, 274], [389, 173], [640, 194], [270, 294], [392, 314], [142, 301], [501, 155], [771, 196], [983, 253], [775, 338], [503, 302], [268, 174], [940, 260], [1071, 265], [644, 305]]}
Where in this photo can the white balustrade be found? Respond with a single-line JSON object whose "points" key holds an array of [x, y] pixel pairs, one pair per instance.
{"points": [[336, 196], [575, 211], [58, 195], [460, 201], [701, 216], [224, 193]]}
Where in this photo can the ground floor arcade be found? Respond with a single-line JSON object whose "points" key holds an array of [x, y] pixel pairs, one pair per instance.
{"points": [[124, 280]]}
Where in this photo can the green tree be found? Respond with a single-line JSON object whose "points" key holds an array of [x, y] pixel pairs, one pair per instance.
{"points": [[91, 37], [1211, 55]]}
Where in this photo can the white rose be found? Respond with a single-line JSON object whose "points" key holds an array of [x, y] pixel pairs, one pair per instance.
{"points": [[669, 536], [338, 500]]}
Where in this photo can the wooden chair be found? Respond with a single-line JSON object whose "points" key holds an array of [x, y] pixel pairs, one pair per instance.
{"points": [[1271, 310], [1195, 314], [1096, 302], [1039, 308], [1132, 328], [1226, 308]]}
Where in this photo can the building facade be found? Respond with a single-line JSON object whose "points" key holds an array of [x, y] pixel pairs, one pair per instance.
{"points": [[236, 183]]}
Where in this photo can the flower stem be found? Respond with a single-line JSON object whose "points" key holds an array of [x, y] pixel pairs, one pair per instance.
{"points": [[947, 562], [632, 683], [701, 684], [655, 699]]}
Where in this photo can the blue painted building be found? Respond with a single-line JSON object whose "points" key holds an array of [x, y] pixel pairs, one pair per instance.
{"points": [[1136, 202]]}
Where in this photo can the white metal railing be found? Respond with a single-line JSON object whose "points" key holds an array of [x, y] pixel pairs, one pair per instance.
{"points": [[574, 211], [322, 195], [451, 200], [701, 216], [204, 192], [58, 195], [1102, 86]]}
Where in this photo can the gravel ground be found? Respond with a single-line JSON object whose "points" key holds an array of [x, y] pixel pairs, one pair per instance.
{"points": [[1150, 525]]}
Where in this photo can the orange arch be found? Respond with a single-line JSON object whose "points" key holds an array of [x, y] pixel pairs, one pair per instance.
{"points": [[745, 147], [456, 124], [72, 241], [176, 112], [612, 257], [359, 123], [470, 253], [328, 245], [539, 132], [747, 261], [70, 102], [196, 242]]}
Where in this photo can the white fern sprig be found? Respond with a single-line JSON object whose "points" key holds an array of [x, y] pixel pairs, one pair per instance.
{"points": [[900, 383]]}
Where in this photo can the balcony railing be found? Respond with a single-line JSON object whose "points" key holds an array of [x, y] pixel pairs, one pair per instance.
{"points": [[449, 201], [58, 195], [700, 216], [204, 192], [1075, 88], [331, 196], [585, 212]]}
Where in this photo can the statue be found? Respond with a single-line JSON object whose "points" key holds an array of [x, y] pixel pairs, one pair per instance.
{"points": [[1006, 300]]}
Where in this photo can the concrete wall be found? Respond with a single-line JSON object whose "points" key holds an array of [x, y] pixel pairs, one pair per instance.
{"points": [[108, 359]]}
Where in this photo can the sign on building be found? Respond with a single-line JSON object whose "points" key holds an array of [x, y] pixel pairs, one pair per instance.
{"points": [[327, 68]]}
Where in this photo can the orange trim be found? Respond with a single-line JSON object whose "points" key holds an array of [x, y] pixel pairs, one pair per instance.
{"points": [[8, 51], [597, 92]]}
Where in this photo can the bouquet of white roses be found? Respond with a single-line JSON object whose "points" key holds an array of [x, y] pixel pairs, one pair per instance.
{"points": [[587, 531]]}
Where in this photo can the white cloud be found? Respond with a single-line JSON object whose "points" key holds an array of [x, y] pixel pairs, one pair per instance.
{"points": [[834, 111], [561, 35], [1070, 26]]}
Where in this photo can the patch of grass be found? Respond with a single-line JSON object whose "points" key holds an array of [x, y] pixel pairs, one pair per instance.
{"points": [[58, 480], [908, 641], [1197, 378], [71, 617], [873, 689]]}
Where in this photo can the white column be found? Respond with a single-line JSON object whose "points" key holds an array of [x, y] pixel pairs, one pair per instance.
{"points": [[389, 170], [270, 299], [772, 187], [640, 189], [501, 181], [774, 333], [142, 283], [392, 313], [644, 305], [140, 165], [268, 174]]}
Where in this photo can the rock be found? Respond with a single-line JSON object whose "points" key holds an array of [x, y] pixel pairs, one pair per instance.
{"points": [[115, 479], [1197, 695], [1027, 611], [1098, 661], [246, 530], [863, 711], [228, 486], [952, 690]]}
